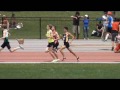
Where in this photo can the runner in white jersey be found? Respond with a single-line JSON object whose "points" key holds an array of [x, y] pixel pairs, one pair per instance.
{"points": [[6, 41]]}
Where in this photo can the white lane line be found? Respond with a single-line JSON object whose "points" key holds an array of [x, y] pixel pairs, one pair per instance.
{"points": [[60, 62]]}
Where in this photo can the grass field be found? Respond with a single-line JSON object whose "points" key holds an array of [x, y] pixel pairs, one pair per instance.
{"points": [[31, 29], [59, 71]]}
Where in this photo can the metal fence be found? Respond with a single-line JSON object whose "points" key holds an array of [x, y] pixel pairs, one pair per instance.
{"points": [[35, 27]]}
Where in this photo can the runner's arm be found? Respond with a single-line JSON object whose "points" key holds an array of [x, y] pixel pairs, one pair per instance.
{"points": [[61, 36], [4, 34], [73, 17], [72, 37]]}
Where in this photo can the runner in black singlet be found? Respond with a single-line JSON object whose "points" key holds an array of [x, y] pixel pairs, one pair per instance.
{"points": [[67, 43]]}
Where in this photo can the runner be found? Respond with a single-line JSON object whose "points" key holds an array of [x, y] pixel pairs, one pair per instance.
{"points": [[117, 48], [67, 43], [6, 41], [56, 38], [50, 37]]}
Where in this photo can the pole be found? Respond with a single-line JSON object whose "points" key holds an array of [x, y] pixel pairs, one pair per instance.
{"points": [[77, 32], [40, 26]]}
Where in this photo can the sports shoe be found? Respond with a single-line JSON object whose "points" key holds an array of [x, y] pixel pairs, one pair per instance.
{"points": [[77, 59], [55, 60], [63, 58], [105, 40], [46, 50], [112, 49], [21, 47]]}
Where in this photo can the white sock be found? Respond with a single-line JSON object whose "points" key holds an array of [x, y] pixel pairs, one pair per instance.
{"points": [[106, 36]]}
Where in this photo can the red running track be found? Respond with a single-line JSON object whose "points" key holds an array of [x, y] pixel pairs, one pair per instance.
{"points": [[45, 57]]}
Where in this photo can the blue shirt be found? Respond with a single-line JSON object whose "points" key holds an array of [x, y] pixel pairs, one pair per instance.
{"points": [[110, 21], [86, 22]]}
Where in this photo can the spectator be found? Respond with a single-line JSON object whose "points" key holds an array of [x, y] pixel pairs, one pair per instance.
{"points": [[109, 27], [99, 29], [76, 26], [13, 22], [117, 48], [86, 27], [5, 22], [105, 24], [114, 31], [19, 26]]}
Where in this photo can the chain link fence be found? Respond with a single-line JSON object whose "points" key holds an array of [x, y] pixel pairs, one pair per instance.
{"points": [[35, 27]]}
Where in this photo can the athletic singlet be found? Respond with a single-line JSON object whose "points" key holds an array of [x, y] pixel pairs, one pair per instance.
{"points": [[105, 23], [115, 26], [65, 38], [55, 37], [6, 37], [110, 21], [50, 40]]}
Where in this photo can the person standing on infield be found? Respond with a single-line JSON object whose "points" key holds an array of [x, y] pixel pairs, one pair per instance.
{"points": [[76, 26], [109, 27], [86, 27], [5, 22], [105, 25]]}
